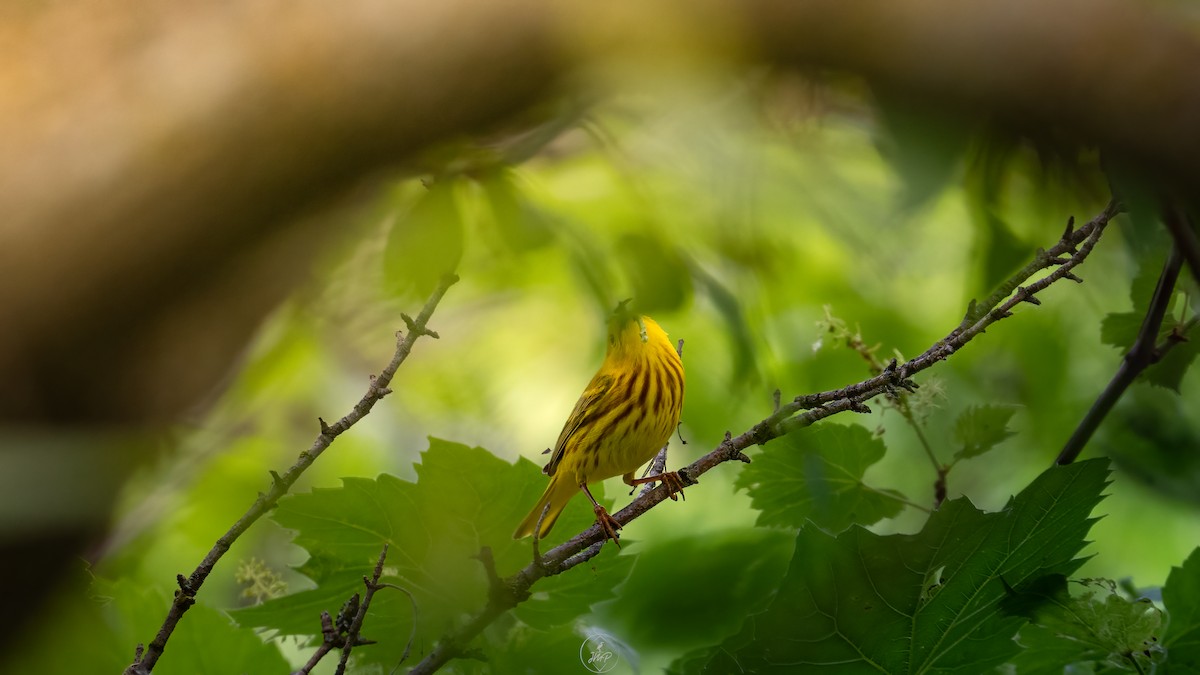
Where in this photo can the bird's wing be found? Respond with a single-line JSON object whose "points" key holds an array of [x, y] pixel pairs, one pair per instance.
{"points": [[599, 387]]}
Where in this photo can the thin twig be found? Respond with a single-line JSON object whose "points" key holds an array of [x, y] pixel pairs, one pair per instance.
{"points": [[372, 585], [1068, 253], [412, 634], [330, 639], [185, 597], [1143, 354]]}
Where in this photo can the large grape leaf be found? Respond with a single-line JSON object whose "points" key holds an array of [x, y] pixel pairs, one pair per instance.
{"points": [[464, 499], [816, 475], [923, 603], [1181, 597]]}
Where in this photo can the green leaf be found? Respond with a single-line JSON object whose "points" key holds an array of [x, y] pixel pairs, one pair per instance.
{"points": [[1120, 329], [207, 641], [104, 620], [1097, 630], [816, 474], [521, 226], [981, 428], [657, 274], [1181, 598], [922, 603], [710, 583], [1168, 373], [426, 242], [559, 599], [464, 499]]}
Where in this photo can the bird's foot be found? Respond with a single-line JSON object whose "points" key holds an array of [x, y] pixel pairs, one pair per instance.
{"points": [[608, 524]]}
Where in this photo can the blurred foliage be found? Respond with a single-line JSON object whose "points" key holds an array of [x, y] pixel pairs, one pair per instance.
{"points": [[736, 210]]}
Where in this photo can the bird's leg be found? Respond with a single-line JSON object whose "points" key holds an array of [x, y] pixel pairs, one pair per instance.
{"points": [[669, 478], [607, 522]]}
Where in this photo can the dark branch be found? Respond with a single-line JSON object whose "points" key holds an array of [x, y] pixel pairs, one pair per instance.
{"points": [[1144, 353], [1064, 256], [185, 597], [1184, 234]]}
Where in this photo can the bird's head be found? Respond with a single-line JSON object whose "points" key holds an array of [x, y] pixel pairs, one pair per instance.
{"points": [[629, 332]]}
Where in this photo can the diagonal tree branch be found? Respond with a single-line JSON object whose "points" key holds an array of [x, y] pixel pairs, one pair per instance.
{"points": [[185, 597], [1063, 257], [1144, 353]]}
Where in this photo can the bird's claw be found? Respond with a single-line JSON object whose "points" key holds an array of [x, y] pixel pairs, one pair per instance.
{"points": [[608, 524]]}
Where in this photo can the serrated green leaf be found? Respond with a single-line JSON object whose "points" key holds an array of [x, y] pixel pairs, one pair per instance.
{"points": [[816, 474], [1120, 329], [1168, 373], [923, 603], [1097, 630], [464, 499], [1181, 598], [426, 242], [981, 428]]}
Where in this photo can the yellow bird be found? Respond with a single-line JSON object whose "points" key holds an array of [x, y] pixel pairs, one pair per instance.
{"points": [[625, 416]]}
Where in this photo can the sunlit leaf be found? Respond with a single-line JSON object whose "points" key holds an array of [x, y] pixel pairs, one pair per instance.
{"points": [[922, 603], [1097, 630], [816, 474], [980, 428]]}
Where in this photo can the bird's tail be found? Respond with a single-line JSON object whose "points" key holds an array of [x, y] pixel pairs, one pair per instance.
{"points": [[557, 494]]}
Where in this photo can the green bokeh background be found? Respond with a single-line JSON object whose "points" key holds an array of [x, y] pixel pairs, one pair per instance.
{"points": [[737, 214]]}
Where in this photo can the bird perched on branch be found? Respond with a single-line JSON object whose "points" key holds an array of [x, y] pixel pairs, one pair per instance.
{"points": [[626, 414]]}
